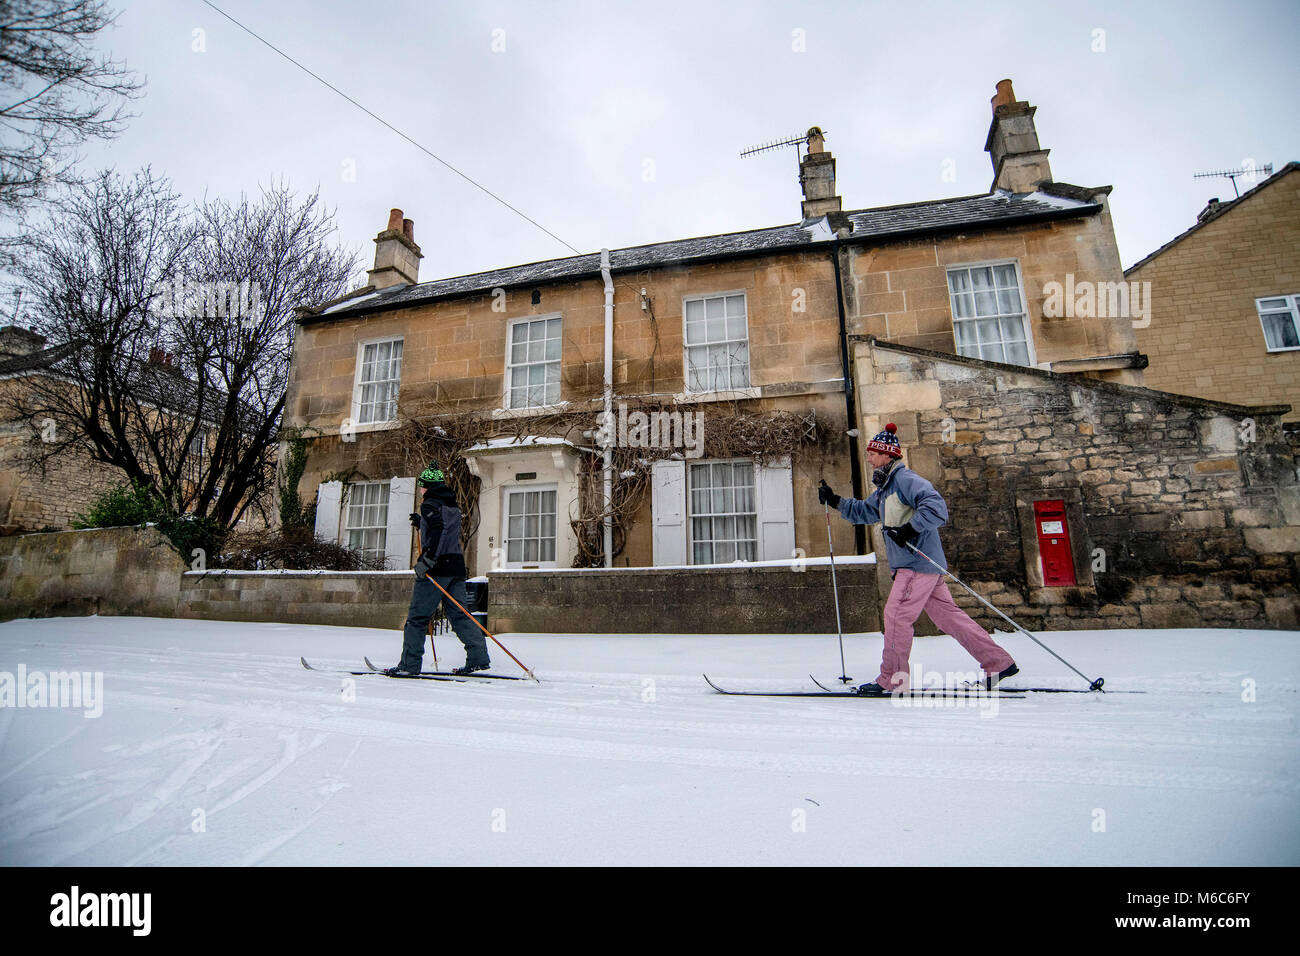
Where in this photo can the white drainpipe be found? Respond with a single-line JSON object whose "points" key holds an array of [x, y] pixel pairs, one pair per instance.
{"points": [[609, 406]]}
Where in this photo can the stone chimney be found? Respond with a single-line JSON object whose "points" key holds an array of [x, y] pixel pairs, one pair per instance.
{"points": [[1212, 209], [1018, 164], [817, 177], [397, 257], [15, 341]]}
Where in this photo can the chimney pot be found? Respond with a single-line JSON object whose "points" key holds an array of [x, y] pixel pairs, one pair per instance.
{"points": [[408, 229], [1005, 94], [395, 220]]}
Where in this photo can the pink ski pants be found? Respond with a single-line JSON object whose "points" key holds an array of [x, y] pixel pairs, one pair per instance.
{"points": [[912, 593]]}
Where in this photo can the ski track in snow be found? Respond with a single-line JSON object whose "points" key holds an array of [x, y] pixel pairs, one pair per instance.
{"points": [[236, 733]]}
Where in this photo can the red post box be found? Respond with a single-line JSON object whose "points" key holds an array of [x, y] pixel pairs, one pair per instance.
{"points": [[1054, 543]]}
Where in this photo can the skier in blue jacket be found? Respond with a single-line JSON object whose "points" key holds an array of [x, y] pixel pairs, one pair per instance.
{"points": [[912, 512], [441, 557]]}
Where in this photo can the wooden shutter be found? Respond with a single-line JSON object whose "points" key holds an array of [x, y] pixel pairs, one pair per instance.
{"points": [[329, 503], [776, 512], [397, 543], [668, 510]]}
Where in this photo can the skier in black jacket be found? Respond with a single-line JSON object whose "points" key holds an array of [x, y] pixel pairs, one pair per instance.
{"points": [[441, 557]]}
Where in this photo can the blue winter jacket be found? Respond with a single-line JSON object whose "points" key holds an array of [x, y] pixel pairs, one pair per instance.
{"points": [[904, 498]]}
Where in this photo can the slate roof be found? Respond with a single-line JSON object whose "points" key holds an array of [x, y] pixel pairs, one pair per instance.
{"points": [[868, 225], [163, 389]]}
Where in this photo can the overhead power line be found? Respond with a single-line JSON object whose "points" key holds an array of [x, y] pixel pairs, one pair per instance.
{"points": [[320, 79]]}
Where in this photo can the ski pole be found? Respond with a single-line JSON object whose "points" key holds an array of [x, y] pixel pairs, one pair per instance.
{"points": [[419, 540], [835, 588], [482, 628], [1092, 684]]}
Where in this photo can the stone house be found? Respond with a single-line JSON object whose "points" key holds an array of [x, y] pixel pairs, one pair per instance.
{"points": [[1225, 294], [745, 336], [34, 502], [52, 497]]}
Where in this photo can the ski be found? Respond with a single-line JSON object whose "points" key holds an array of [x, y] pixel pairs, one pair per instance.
{"points": [[378, 673], [974, 694], [475, 676], [1005, 690]]}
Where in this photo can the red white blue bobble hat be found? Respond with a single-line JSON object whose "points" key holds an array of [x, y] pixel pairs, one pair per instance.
{"points": [[887, 442]]}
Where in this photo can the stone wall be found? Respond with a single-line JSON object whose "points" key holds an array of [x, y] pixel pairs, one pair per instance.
{"points": [[1182, 512], [101, 571], [342, 598], [719, 600]]}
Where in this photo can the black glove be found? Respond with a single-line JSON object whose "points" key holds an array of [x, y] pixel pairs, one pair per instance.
{"points": [[424, 566], [415, 519], [826, 496], [903, 535]]}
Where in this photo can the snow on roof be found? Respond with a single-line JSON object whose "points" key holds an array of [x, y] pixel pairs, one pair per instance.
{"points": [[527, 441]]}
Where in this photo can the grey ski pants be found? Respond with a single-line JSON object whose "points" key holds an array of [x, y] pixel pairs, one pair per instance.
{"points": [[424, 602]]}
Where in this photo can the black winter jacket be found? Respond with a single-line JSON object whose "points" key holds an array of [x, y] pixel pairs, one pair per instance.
{"points": [[440, 531]]}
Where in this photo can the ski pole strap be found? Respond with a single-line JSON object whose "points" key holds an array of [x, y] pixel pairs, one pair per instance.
{"points": [[1092, 684]]}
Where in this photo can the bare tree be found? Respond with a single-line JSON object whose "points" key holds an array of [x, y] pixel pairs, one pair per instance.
{"points": [[55, 93], [171, 331]]}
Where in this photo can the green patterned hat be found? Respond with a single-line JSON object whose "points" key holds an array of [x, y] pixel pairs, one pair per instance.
{"points": [[431, 475]]}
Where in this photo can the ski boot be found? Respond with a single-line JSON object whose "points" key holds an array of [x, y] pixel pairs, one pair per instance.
{"points": [[471, 668], [400, 671], [992, 680], [872, 690]]}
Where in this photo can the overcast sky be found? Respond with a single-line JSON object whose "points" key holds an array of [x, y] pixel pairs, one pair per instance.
{"points": [[615, 124]]}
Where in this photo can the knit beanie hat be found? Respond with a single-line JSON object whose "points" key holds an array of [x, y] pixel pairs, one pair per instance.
{"points": [[887, 442], [431, 475]]}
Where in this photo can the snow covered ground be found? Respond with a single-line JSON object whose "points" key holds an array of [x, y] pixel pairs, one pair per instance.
{"points": [[215, 747]]}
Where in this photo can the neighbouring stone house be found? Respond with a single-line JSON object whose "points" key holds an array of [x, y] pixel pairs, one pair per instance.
{"points": [[746, 335], [34, 501], [1225, 297], [54, 496], [1080, 503]]}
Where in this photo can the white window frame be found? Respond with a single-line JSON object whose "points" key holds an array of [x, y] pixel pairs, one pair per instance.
{"points": [[346, 526], [358, 385], [510, 365], [687, 346], [1293, 306], [1024, 305], [506, 492], [757, 512]]}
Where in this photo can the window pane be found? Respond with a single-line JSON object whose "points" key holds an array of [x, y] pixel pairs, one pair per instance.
{"points": [[1006, 275], [736, 305], [694, 310], [552, 349], [982, 278], [552, 328], [1017, 353], [713, 308], [1280, 331]]}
